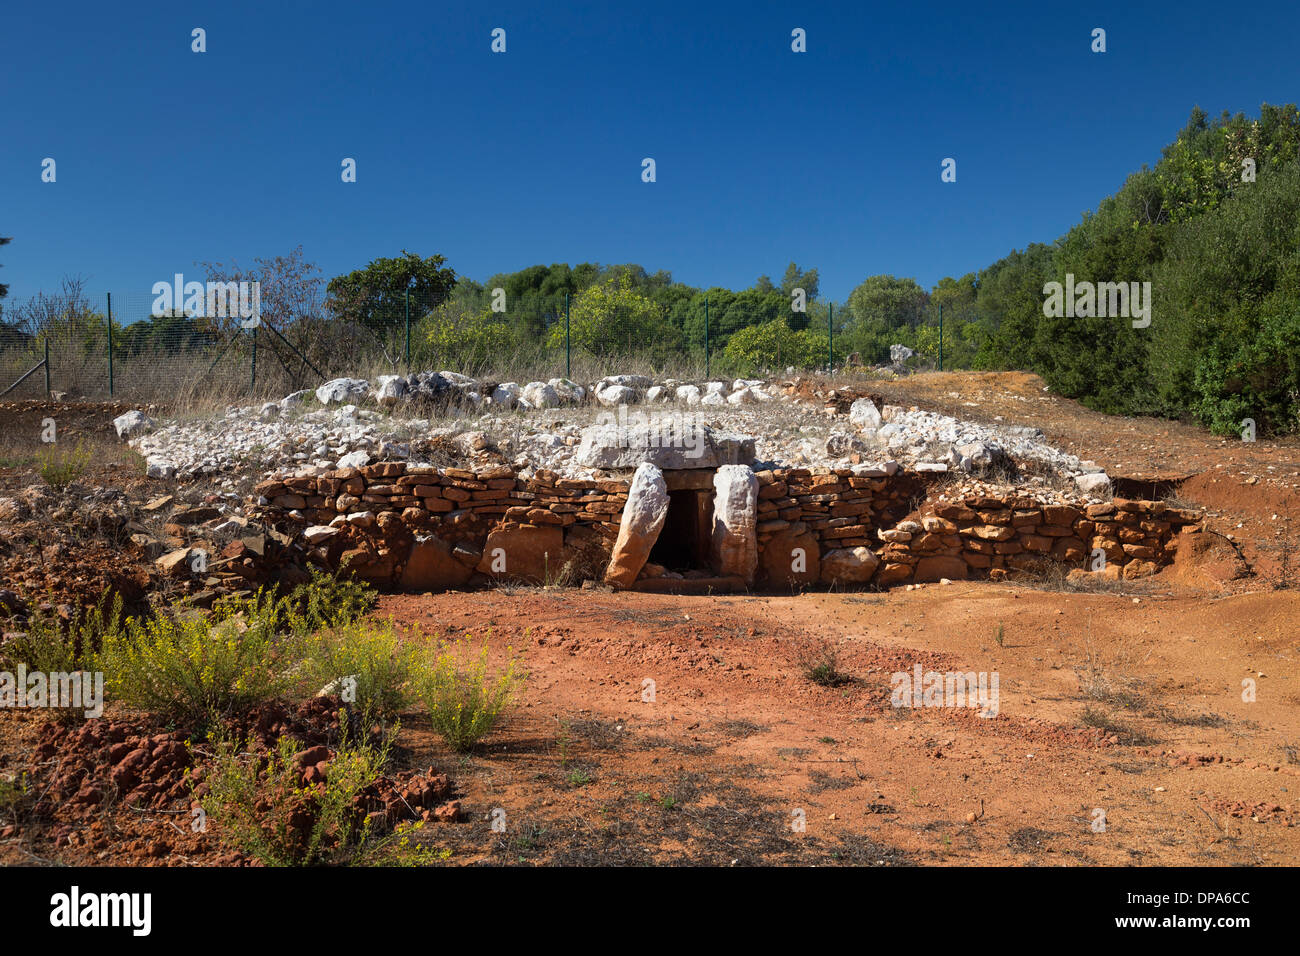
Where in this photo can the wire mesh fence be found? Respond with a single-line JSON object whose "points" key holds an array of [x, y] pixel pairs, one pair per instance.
{"points": [[122, 348], [204, 349]]}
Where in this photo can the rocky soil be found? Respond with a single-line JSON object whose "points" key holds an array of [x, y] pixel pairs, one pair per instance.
{"points": [[561, 426], [126, 791]]}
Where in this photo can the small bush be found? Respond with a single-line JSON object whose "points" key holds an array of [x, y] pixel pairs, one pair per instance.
{"points": [[61, 467], [49, 645], [328, 600], [188, 668], [370, 652], [1115, 728], [13, 795], [775, 345], [820, 663], [465, 702], [264, 809]]}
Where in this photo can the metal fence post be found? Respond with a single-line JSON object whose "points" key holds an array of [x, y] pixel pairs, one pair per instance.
{"points": [[408, 329], [253, 388], [47, 365], [706, 337], [110, 345], [830, 337], [568, 349], [940, 336]]}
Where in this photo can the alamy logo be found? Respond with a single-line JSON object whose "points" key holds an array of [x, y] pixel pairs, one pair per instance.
{"points": [[57, 689], [946, 689], [72, 909], [212, 300], [1087, 300]]}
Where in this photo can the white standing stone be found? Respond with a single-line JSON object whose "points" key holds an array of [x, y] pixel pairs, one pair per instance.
{"points": [[735, 521], [643, 519]]}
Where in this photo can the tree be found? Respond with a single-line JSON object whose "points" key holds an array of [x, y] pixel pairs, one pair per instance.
{"points": [[289, 289], [65, 316], [718, 300], [1226, 326], [1009, 302], [795, 278], [171, 332], [774, 345], [75, 332], [4, 289], [614, 318], [1218, 247], [956, 296], [887, 301], [376, 296]]}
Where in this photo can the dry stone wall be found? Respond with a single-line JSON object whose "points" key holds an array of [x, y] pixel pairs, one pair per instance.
{"points": [[420, 528], [993, 535], [424, 528]]}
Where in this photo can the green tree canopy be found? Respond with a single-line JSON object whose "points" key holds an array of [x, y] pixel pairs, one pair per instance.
{"points": [[376, 296], [773, 345], [614, 318], [887, 301]]}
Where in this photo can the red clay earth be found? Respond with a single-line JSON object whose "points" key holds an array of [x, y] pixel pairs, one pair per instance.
{"points": [[121, 791], [1122, 706]]}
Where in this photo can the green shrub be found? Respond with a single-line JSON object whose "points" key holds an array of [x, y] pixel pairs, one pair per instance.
{"points": [[60, 467], [1251, 372], [329, 600], [188, 668], [819, 662], [14, 791], [48, 644], [471, 338], [263, 808], [370, 652], [775, 345], [614, 318], [464, 699]]}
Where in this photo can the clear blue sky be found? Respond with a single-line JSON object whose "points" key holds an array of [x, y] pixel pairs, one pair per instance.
{"points": [[498, 161]]}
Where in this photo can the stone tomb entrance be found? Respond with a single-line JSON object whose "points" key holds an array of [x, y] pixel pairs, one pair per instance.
{"points": [[697, 524], [685, 542], [686, 538]]}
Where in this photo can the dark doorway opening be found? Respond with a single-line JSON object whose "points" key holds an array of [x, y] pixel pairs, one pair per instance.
{"points": [[684, 543]]}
